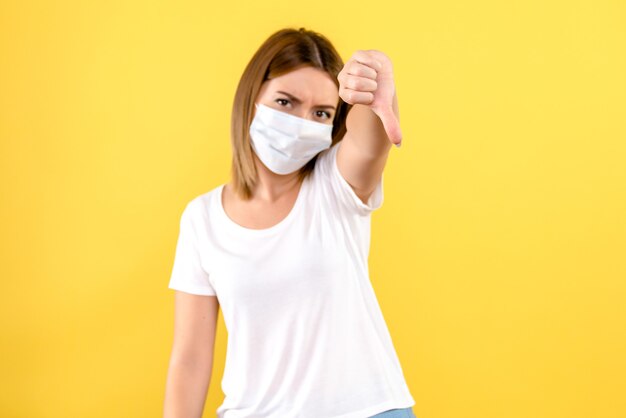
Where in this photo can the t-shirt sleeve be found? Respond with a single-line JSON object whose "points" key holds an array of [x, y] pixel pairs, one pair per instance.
{"points": [[188, 274], [342, 190]]}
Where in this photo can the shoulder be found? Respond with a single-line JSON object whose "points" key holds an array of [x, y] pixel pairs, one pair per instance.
{"points": [[330, 179], [197, 208], [326, 158], [324, 164]]}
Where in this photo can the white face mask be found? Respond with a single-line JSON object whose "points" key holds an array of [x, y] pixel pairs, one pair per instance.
{"points": [[284, 142]]}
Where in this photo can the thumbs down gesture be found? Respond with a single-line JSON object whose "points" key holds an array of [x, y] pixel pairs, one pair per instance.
{"points": [[367, 79]]}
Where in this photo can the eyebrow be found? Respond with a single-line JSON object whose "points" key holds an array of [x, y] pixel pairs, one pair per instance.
{"points": [[295, 99]]}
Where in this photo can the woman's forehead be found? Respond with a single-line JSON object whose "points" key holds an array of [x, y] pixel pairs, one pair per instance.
{"points": [[306, 83]]}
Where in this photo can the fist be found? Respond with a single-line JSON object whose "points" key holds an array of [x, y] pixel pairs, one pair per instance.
{"points": [[367, 79]]}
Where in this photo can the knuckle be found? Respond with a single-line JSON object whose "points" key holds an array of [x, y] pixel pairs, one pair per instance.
{"points": [[345, 95], [367, 84]]}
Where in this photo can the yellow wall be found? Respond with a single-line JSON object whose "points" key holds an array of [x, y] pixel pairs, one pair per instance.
{"points": [[499, 256]]}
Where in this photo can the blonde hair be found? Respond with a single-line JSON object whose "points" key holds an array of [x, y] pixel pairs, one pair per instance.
{"points": [[285, 50]]}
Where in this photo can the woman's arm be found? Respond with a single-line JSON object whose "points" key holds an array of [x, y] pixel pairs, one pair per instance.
{"points": [[191, 359], [366, 82]]}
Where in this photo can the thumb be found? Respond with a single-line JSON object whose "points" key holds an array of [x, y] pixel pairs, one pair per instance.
{"points": [[391, 124]]}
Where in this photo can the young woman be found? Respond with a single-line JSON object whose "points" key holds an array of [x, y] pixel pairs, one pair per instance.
{"points": [[283, 248]]}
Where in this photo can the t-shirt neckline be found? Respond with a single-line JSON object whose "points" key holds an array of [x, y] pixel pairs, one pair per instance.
{"points": [[240, 229]]}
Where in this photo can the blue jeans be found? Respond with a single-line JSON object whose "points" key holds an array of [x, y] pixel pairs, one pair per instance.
{"points": [[396, 413]]}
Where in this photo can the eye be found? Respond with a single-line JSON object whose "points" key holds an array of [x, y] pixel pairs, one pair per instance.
{"points": [[284, 100], [326, 113]]}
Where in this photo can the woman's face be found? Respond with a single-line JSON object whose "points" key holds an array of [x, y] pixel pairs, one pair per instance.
{"points": [[307, 92]]}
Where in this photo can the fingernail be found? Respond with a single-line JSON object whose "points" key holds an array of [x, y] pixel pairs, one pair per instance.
{"points": [[398, 144]]}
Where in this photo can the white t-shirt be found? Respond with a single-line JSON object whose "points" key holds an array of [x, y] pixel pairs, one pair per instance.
{"points": [[306, 335]]}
